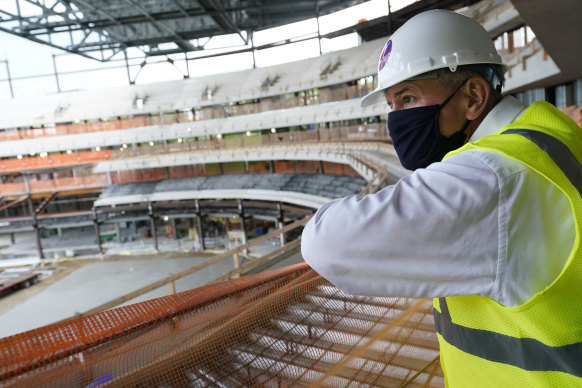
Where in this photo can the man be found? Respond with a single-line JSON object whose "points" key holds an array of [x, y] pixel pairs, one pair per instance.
{"points": [[492, 232]]}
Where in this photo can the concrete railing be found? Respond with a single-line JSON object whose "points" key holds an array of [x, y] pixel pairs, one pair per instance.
{"points": [[324, 95]]}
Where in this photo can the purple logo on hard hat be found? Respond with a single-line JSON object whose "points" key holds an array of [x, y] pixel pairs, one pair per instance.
{"points": [[385, 55]]}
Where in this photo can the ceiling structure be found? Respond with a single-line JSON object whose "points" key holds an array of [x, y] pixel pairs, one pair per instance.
{"points": [[105, 29], [101, 29]]}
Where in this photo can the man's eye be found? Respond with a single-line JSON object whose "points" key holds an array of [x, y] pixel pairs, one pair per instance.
{"points": [[407, 99]]}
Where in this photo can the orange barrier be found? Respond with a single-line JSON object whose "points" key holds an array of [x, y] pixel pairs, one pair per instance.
{"points": [[100, 180], [285, 328], [74, 129], [12, 188], [35, 163], [52, 185]]}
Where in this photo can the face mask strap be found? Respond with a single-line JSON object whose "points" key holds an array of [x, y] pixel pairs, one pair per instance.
{"points": [[455, 92], [449, 98]]}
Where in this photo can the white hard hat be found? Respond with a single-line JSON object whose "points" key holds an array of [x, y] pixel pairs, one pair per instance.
{"points": [[429, 41]]}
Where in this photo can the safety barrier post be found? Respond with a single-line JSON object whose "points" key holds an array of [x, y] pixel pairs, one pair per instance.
{"points": [[236, 259]]}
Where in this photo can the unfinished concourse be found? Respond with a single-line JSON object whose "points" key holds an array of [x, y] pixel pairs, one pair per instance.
{"points": [[150, 227]]}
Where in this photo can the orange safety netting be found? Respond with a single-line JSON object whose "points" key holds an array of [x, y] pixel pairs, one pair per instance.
{"points": [[283, 328]]}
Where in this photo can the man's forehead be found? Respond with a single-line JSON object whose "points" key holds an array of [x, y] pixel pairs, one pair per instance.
{"points": [[404, 85], [422, 86], [414, 81]]}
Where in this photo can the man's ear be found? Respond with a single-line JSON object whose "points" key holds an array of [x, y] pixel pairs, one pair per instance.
{"points": [[477, 91]]}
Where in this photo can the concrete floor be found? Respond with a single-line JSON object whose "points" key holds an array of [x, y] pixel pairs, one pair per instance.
{"points": [[100, 282]]}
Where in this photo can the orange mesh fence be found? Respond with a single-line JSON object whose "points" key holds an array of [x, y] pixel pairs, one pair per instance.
{"points": [[283, 328]]}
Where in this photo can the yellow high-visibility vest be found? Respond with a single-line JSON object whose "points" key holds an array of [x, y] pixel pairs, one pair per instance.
{"points": [[539, 343]]}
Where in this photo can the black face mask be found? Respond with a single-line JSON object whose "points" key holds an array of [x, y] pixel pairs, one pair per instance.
{"points": [[417, 138]]}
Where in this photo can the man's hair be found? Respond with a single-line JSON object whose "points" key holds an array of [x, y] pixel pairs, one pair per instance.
{"points": [[493, 74]]}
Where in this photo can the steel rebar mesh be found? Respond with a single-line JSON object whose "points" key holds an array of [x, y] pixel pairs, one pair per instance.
{"points": [[282, 328]]}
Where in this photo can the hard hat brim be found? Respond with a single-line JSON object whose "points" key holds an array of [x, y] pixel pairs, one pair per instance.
{"points": [[372, 98]]}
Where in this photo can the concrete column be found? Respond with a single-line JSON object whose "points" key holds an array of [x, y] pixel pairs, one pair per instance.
{"points": [[199, 222], [118, 232], [12, 241], [173, 223], [26, 185], [153, 225], [97, 230], [280, 223], [60, 233], [36, 229], [241, 214], [109, 179]]}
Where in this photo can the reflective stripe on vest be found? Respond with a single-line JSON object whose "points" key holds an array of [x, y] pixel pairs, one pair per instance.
{"points": [[526, 353]]}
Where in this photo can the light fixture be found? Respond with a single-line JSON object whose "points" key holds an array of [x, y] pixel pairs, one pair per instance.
{"points": [[179, 140], [97, 148], [120, 148], [32, 153], [151, 143], [273, 130], [248, 133], [69, 152], [139, 101], [219, 136], [123, 212], [124, 145], [19, 157], [166, 218], [189, 129], [43, 154]]}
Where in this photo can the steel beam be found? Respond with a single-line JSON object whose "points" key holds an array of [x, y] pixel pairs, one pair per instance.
{"points": [[222, 18], [185, 45], [13, 203]]}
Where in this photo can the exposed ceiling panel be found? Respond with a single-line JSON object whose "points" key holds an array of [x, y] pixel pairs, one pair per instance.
{"points": [[558, 28]]}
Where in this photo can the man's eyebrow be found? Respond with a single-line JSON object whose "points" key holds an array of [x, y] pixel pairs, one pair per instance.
{"points": [[405, 88]]}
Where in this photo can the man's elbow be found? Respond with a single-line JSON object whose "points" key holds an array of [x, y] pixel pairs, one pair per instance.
{"points": [[316, 250]]}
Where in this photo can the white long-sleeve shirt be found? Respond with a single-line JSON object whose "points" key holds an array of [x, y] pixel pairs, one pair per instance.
{"points": [[477, 223]]}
